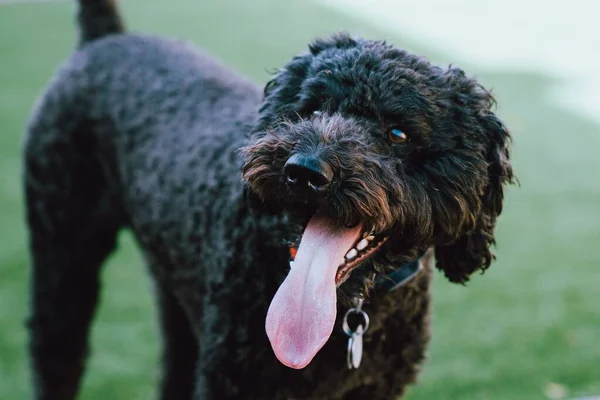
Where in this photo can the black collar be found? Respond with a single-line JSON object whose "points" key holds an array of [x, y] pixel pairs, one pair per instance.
{"points": [[400, 277]]}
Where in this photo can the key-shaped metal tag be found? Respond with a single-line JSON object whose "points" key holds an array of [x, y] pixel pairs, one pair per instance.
{"points": [[355, 348]]}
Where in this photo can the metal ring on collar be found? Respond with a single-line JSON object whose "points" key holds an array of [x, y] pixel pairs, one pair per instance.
{"points": [[345, 325]]}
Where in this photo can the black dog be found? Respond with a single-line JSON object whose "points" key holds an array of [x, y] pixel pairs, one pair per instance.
{"points": [[370, 158]]}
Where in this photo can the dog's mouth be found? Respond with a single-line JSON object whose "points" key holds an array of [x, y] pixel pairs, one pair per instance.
{"points": [[362, 250], [303, 311]]}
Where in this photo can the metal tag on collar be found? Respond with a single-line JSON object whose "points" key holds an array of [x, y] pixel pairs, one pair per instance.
{"points": [[355, 342], [355, 348]]}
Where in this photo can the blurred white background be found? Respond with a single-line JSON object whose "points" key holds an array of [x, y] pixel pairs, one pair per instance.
{"points": [[558, 39]]}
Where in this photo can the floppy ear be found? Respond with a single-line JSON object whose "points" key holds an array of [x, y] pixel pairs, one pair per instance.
{"points": [[283, 93], [471, 251]]}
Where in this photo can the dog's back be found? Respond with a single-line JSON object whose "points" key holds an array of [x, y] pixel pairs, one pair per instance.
{"points": [[122, 105]]}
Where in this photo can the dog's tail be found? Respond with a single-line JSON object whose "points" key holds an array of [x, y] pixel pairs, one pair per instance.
{"points": [[98, 18]]}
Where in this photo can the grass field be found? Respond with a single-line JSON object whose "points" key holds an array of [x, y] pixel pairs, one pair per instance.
{"points": [[532, 320]]}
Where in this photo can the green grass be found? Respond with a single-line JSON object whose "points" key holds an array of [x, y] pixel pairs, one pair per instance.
{"points": [[534, 318]]}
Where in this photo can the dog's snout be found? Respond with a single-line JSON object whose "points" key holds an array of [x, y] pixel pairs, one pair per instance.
{"points": [[306, 171]]}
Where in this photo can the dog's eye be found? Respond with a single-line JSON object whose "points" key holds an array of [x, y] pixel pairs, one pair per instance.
{"points": [[397, 136]]}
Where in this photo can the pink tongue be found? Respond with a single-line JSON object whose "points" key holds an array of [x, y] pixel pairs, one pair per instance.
{"points": [[302, 313]]}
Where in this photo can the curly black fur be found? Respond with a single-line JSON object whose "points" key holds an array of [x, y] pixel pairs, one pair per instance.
{"points": [[443, 188], [146, 133]]}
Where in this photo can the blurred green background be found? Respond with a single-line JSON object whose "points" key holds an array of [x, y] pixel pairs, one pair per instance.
{"points": [[528, 329]]}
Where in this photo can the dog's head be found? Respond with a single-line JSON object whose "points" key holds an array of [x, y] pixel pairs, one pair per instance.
{"points": [[376, 155]]}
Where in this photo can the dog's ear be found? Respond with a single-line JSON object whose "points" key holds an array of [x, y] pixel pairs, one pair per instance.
{"points": [[470, 252], [283, 95]]}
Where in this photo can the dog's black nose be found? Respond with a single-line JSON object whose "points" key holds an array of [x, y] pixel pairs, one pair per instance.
{"points": [[306, 171]]}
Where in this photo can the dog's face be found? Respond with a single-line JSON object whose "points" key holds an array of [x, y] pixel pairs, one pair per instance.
{"points": [[377, 155]]}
